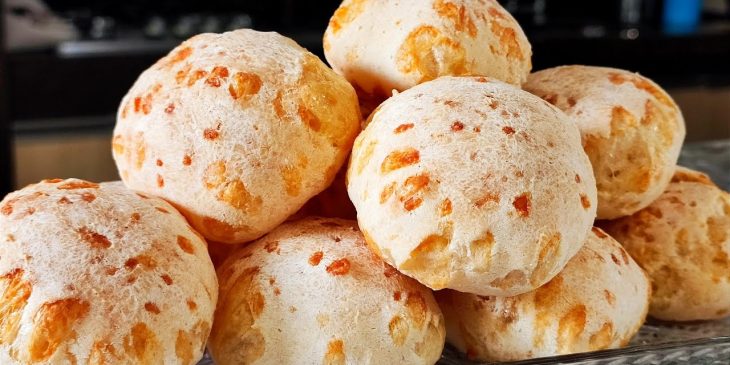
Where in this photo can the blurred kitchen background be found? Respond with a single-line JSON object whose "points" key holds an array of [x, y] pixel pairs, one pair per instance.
{"points": [[66, 64]]}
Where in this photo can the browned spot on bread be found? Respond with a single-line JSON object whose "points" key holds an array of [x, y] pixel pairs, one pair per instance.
{"points": [[396, 295], [185, 244], [457, 15], [292, 176], [94, 239], [412, 186], [549, 247], [584, 201], [577, 178], [142, 345], [211, 134], [214, 175], [570, 326], [315, 258], [178, 56], [399, 159], [335, 354], [14, 297], [170, 108], [417, 308], [195, 76], [162, 210], [695, 177], [509, 46], [445, 207], [387, 192], [184, 348], [508, 130], [152, 308], [402, 128], [244, 86], [309, 118], [345, 14], [53, 326], [187, 160], [422, 51], [160, 181], [80, 184], [147, 262], [398, 329], [221, 230], [339, 267], [486, 198], [216, 75], [159, 163], [457, 126], [191, 304], [610, 297], [523, 204], [236, 195], [166, 278]]}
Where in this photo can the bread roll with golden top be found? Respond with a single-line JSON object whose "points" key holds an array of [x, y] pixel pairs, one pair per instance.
{"points": [[96, 274], [682, 240], [237, 130], [311, 292], [381, 45], [599, 301], [472, 185], [632, 131]]}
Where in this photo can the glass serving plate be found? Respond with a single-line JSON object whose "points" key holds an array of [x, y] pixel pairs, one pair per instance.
{"points": [[657, 342]]}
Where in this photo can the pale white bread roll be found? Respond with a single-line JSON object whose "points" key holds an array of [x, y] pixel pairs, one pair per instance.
{"points": [[682, 240], [473, 185], [96, 274], [599, 301], [311, 292], [632, 131], [381, 45], [237, 130]]}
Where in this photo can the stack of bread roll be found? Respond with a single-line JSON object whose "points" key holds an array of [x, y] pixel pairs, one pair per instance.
{"points": [[467, 176]]}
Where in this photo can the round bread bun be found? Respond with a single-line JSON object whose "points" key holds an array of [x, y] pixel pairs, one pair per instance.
{"points": [[632, 131], [96, 274], [311, 292], [599, 301], [381, 45], [682, 240], [237, 130], [472, 185]]}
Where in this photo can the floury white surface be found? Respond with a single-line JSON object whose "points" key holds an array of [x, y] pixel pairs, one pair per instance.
{"points": [[96, 274], [237, 130], [311, 292], [474, 185], [631, 128]]}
